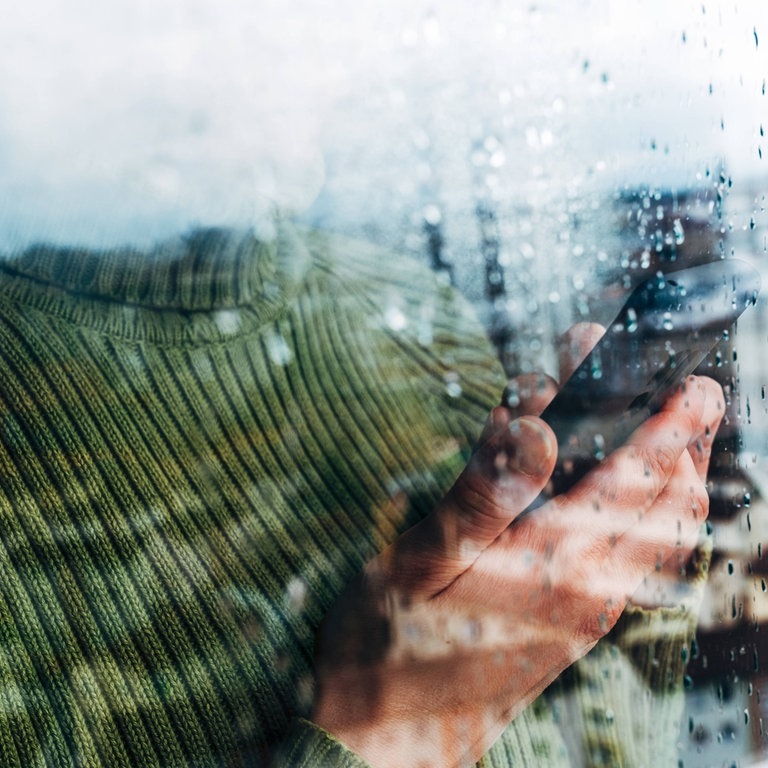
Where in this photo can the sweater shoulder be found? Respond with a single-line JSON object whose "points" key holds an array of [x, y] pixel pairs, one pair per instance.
{"points": [[427, 316]]}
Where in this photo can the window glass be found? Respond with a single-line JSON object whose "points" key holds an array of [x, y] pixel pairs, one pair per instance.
{"points": [[266, 269]]}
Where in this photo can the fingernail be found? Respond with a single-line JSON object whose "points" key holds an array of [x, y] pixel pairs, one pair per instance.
{"points": [[499, 418], [533, 448]]}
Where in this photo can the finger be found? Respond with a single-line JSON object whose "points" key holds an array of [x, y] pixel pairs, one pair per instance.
{"points": [[664, 586], [611, 498], [631, 478], [701, 446], [529, 394], [505, 474], [667, 534], [574, 345]]}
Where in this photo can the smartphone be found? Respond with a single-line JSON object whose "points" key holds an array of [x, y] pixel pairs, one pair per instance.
{"points": [[664, 331]]}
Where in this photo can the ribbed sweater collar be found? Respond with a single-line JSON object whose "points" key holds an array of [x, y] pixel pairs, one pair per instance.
{"points": [[210, 284]]}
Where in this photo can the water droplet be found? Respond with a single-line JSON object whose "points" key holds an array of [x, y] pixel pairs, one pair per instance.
{"points": [[425, 333], [679, 233], [512, 395], [673, 361], [597, 366], [278, 350], [228, 321], [394, 318], [631, 320], [598, 447], [432, 215], [497, 159], [667, 322], [452, 386], [532, 137], [296, 594]]}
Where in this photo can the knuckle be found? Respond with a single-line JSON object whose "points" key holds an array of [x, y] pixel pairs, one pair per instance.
{"points": [[658, 463], [700, 501], [600, 619]]}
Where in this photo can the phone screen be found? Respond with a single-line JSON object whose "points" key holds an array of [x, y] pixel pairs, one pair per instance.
{"points": [[664, 331]]}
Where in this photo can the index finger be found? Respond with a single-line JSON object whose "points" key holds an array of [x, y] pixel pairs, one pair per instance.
{"points": [[700, 447], [631, 478]]}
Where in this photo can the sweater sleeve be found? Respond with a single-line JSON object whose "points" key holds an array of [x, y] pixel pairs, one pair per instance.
{"points": [[308, 746], [622, 704]]}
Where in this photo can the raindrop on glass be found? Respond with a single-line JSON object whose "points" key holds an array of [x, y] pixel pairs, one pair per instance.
{"points": [[679, 233], [432, 215], [227, 321], [599, 447], [512, 395], [394, 318], [278, 350], [597, 367], [452, 386]]}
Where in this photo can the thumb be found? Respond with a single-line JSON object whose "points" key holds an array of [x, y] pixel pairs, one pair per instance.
{"points": [[509, 468]]}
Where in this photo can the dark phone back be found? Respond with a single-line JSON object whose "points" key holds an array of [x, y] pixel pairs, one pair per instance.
{"points": [[663, 332]]}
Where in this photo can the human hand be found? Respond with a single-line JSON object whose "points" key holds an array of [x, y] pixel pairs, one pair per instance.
{"points": [[467, 617], [669, 584]]}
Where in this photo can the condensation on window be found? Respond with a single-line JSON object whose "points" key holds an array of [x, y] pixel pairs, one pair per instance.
{"points": [[541, 159]]}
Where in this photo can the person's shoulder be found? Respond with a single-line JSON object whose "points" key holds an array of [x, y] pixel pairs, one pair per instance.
{"points": [[385, 274], [407, 293], [417, 306]]}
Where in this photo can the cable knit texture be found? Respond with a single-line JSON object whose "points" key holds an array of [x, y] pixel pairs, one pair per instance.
{"points": [[199, 446]]}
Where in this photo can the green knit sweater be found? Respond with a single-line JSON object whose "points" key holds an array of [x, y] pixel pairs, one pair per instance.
{"points": [[199, 446]]}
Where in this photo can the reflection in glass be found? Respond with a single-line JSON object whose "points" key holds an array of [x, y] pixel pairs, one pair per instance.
{"points": [[541, 160]]}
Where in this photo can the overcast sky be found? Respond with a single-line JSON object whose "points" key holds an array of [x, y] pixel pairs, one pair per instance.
{"points": [[132, 119]]}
